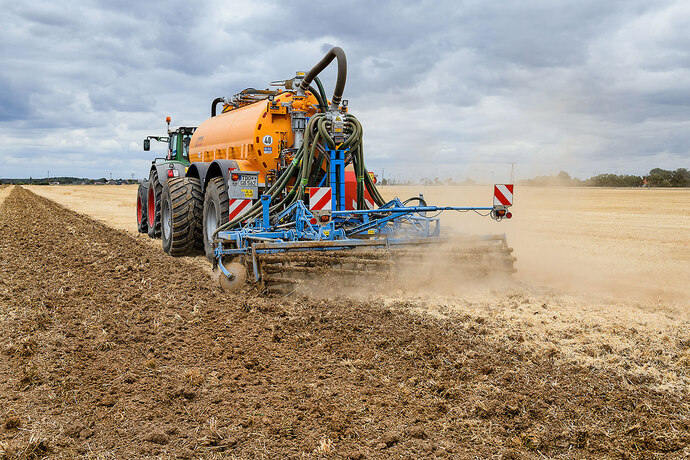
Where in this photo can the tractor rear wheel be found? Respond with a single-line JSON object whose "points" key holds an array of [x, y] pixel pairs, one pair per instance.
{"points": [[215, 212], [178, 223], [142, 195], [153, 205]]}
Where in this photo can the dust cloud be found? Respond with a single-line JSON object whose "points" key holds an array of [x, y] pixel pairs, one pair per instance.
{"points": [[610, 245], [458, 267]]}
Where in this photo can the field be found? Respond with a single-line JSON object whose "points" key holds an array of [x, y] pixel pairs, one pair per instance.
{"points": [[113, 350]]}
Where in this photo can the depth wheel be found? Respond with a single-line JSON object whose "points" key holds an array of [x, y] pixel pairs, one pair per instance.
{"points": [[142, 195], [215, 212], [238, 276], [178, 223], [153, 205]]}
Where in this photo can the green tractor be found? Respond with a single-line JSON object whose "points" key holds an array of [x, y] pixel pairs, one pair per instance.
{"points": [[174, 165]]}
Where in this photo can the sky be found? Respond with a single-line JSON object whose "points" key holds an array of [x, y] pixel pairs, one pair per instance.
{"points": [[448, 89]]}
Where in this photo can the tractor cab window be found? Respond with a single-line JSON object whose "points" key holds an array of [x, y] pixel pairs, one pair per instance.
{"points": [[186, 139], [172, 147]]}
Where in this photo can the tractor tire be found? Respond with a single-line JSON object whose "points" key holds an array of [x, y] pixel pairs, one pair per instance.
{"points": [[153, 205], [215, 212], [142, 195], [198, 199], [178, 220]]}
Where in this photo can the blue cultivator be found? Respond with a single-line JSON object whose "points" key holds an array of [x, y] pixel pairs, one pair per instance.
{"points": [[283, 250]]}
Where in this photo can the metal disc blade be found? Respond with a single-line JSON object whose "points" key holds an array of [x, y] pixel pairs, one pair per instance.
{"points": [[237, 280]]}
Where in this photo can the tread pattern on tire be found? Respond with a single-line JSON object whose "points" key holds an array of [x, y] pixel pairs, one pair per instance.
{"points": [[198, 200], [183, 216], [215, 190], [154, 229], [142, 220]]}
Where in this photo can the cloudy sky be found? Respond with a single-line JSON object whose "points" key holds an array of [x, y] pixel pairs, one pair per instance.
{"points": [[447, 88]]}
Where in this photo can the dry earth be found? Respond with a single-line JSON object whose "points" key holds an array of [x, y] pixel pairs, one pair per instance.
{"points": [[4, 191], [114, 205], [113, 350]]}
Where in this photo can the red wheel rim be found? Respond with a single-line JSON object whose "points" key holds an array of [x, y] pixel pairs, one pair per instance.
{"points": [[152, 206]]}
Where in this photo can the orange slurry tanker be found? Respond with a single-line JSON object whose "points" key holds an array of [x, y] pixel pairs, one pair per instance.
{"points": [[274, 189], [252, 133]]}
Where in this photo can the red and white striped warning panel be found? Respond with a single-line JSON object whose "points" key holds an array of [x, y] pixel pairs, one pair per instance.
{"points": [[238, 207], [320, 198], [503, 195]]}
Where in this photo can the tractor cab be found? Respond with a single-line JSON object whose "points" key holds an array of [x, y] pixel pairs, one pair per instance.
{"points": [[178, 143]]}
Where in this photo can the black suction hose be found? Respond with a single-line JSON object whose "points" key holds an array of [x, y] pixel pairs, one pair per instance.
{"points": [[215, 102], [335, 53]]}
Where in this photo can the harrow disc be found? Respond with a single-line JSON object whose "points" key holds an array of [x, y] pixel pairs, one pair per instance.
{"points": [[237, 278]]}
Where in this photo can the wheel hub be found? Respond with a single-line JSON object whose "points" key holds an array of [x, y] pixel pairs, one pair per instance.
{"points": [[211, 221], [166, 217]]}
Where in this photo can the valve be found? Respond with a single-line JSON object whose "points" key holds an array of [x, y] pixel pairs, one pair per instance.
{"points": [[338, 128]]}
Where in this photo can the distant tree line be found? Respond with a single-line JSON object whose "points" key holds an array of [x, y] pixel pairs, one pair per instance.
{"points": [[657, 177], [66, 181], [614, 180], [662, 178]]}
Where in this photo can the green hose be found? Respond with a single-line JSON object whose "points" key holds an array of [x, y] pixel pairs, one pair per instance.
{"points": [[321, 91]]}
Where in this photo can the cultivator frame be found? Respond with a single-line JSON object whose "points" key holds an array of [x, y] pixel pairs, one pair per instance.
{"points": [[298, 230]]}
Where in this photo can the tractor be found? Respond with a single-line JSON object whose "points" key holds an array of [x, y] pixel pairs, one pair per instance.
{"points": [[173, 165]]}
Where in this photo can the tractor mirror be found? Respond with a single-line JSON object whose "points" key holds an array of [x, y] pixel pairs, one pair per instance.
{"points": [[147, 145]]}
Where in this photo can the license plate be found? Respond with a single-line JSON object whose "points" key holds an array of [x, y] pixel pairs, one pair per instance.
{"points": [[248, 181]]}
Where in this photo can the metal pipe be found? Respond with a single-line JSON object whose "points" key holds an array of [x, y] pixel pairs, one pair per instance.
{"points": [[413, 210]]}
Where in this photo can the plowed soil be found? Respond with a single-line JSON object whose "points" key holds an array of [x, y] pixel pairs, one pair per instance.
{"points": [[111, 349]]}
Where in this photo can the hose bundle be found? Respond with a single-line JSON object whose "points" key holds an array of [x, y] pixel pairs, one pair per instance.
{"points": [[306, 168]]}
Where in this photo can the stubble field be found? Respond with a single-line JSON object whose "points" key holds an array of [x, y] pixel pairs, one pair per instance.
{"points": [[113, 350]]}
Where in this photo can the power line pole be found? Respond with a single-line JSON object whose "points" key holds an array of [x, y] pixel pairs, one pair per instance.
{"points": [[512, 173]]}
